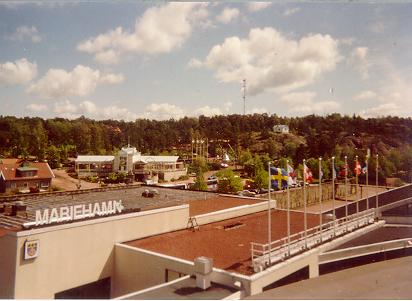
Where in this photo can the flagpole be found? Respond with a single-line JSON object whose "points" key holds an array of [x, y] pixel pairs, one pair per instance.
{"points": [[304, 202], [377, 183], [320, 197], [367, 174], [346, 188], [356, 185], [269, 219], [333, 194], [288, 209]]}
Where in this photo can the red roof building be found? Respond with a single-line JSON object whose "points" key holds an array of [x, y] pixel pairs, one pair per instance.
{"points": [[23, 176]]}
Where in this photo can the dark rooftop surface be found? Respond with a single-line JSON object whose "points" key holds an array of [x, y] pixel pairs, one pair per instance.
{"points": [[199, 202], [381, 234], [390, 279], [228, 241]]}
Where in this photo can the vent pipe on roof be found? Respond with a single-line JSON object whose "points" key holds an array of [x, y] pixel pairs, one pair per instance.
{"points": [[203, 271]]}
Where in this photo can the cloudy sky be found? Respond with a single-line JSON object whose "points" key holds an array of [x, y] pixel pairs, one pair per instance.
{"points": [[160, 60]]}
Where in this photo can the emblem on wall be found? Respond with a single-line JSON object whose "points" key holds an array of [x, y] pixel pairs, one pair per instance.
{"points": [[31, 249]]}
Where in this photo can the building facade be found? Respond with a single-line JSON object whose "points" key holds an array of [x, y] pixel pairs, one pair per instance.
{"points": [[281, 128], [130, 161], [23, 176]]}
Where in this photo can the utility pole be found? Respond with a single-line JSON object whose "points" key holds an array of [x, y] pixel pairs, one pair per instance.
{"points": [[244, 96]]}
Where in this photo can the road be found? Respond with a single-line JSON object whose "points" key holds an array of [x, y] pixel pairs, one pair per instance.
{"points": [[65, 182]]}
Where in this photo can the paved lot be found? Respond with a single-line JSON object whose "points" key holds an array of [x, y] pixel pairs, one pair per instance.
{"points": [[389, 279], [63, 181]]}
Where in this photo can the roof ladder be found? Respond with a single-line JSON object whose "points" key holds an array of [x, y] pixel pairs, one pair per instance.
{"points": [[192, 224]]}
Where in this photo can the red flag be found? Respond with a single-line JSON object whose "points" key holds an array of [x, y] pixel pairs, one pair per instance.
{"points": [[308, 174], [357, 169]]}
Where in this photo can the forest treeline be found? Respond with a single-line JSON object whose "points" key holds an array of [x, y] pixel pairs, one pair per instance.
{"points": [[310, 136]]}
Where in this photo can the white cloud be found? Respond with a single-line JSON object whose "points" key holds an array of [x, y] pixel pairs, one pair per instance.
{"points": [[207, 111], [19, 72], [257, 111], [227, 105], [195, 63], [67, 109], [393, 92], [163, 111], [257, 6], [360, 60], [364, 95], [228, 15], [24, 32], [36, 107], [112, 78], [160, 29], [115, 112], [303, 103], [381, 110], [291, 11], [81, 81], [271, 61]]}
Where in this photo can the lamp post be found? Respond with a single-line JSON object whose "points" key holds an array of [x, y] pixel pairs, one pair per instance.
{"points": [[305, 222], [269, 219], [333, 194], [288, 209], [320, 197]]}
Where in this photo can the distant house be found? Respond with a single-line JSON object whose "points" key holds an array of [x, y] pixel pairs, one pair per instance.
{"points": [[281, 128], [130, 161], [23, 176]]}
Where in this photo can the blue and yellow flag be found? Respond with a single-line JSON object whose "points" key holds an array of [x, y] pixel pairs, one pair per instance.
{"points": [[278, 178]]}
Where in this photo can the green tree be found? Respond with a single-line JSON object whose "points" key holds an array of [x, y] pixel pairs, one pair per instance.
{"points": [[53, 156], [261, 179], [228, 182], [200, 183], [199, 165]]}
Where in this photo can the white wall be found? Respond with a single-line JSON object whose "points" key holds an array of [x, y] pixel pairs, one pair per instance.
{"points": [[224, 214], [79, 253]]}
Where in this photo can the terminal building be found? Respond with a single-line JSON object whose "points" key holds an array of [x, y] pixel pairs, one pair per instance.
{"points": [[119, 243], [130, 161]]}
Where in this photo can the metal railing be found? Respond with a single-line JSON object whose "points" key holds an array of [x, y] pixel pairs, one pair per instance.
{"points": [[262, 256]]}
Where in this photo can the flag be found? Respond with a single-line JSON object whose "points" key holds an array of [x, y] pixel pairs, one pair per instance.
{"points": [[320, 175], [364, 169], [357, 169], [307, 173], [278, 178], [291, 175], [334, 172], [343, 171]]}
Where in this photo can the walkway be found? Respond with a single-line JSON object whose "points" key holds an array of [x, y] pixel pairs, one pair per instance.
{"points": [[390, 279]]}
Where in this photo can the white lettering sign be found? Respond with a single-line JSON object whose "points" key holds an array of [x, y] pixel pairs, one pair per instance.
{"points": [[69, 213]]}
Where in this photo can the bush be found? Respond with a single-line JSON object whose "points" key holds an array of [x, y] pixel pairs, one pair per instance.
{"points": [[183, 178]]}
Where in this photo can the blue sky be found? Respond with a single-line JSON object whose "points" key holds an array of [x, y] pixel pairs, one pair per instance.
{"points": [[160, 60]]}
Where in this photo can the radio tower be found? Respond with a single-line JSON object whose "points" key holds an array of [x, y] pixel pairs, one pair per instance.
{"points": [[244, 96]]}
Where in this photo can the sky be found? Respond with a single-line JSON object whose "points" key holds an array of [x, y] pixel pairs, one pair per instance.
{"points": [[159, 60]]}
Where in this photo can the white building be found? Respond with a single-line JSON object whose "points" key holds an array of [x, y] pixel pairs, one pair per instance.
{"points": [[130, 161], [281, 128]]}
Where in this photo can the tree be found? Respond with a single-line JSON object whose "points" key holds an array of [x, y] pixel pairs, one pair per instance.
{"points": [[228, 182], [200, 183], [261, 179], [199, 165], [53, 156]]}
